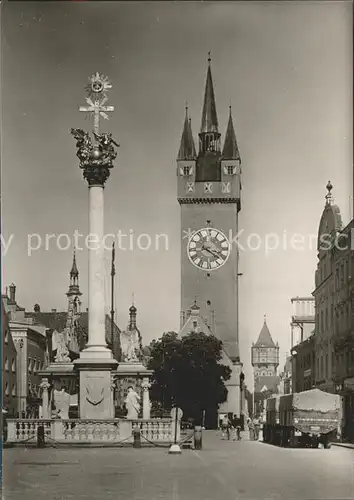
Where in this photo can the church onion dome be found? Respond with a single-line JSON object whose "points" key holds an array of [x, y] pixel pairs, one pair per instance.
{"points": [[209, 117], [132, 309], [230, 151], [187, 147], [264, 338], [74, 271]]}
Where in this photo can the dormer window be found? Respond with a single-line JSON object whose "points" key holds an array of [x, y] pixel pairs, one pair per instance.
{"points": [[13, 366], [6, 364]]}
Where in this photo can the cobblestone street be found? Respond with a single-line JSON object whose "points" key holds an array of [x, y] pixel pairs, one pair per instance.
{"points": [[243, 470]]}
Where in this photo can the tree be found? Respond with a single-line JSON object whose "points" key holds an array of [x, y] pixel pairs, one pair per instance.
{"points": [[188, 372]]}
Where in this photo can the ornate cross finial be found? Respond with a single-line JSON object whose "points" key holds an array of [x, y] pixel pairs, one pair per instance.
{"points": [[133, 299], [209, 57], [96, 90], [208, 223], [265, 318]]}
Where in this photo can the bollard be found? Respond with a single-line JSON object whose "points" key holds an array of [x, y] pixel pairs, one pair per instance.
{"points": [[136, 437], [40, 436], [197, 437]]}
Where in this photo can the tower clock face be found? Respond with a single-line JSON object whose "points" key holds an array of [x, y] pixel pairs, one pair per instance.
{"points": [[208, 249]]}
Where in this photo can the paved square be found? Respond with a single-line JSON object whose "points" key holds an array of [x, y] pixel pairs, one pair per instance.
{"points": [[243, 470]]}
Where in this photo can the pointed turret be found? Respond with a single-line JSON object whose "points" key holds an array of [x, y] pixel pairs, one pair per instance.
{"points": [[187, 147], [265, 338], [209, 116], [208, 162], [74, 289], [230, 150], [74, 273], [132, 317]]}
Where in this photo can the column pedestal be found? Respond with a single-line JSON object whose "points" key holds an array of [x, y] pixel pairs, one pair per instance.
{"points": [[96, 388]]}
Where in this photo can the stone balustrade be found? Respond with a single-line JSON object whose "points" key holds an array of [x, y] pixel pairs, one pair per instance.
{"points": [[84, 431]]}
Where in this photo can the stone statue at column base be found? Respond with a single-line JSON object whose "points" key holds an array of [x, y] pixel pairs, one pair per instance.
{"points": [[132, 403]]}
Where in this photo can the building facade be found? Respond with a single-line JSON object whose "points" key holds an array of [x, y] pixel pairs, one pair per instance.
{"points": [[329, 229], [209, 194], [304, 365], [9, 364], [343, 332], [334, 297], [265, 362], [30, 343]]}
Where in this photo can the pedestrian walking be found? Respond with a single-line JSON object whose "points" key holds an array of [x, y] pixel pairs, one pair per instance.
{"points": [[251, 429], [257, 426], [225, 430], [234, 425]]}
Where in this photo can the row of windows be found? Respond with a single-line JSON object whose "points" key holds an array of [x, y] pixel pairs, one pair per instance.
{"points": [[13, 365], [340, 362], [342, 272], [325, 320], [34, 365], [7, 389], [33, 390], [187, 171]]}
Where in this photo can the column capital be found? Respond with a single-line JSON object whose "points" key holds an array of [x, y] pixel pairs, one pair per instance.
{"points": [[45, 385], [96, 175], [96, 157], [145, 385]]}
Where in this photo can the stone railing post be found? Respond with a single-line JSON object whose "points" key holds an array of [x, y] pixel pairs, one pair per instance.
{"points": [[146, 398], [57, 431], [11, 431], [45, 385]]}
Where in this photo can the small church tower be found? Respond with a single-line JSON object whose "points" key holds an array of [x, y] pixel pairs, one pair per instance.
{"points": [[74, 308], [265, 354]]}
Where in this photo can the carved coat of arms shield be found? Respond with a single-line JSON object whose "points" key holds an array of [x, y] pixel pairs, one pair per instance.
{"points": [[94, 394]]}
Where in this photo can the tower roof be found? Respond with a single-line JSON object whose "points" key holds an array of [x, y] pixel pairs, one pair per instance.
{"points": [[209, 116], [230, 151], [187, 147], [74, 271], [264, 338]]}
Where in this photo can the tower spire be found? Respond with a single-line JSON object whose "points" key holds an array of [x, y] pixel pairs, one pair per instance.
{"points": [[230, 150], [187, 146], [74, 271], [74, 289], [209, 116]]}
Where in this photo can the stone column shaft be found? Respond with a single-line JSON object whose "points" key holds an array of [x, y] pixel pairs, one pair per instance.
{"points": [[96, 337]]}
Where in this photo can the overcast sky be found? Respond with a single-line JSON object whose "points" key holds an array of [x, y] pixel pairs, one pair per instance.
{"points": [[286, 68]]}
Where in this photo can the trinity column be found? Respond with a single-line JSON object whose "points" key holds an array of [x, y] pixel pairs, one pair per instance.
{"points": [[96, 156]]}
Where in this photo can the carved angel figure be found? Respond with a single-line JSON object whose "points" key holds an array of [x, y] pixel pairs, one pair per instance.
{"points": [[62, 355], [83, 143], [108, 154]]}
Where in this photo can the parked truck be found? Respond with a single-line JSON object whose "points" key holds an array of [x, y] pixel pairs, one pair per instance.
{"points": [[304, 419]]}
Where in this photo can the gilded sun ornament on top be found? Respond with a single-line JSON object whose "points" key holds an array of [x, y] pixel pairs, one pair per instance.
{"points": [[97, 86]]}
